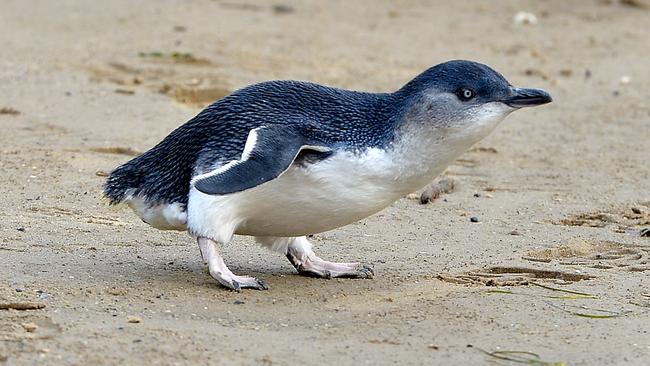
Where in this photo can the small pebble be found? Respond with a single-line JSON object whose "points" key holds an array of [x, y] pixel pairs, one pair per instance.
{"points": [[436, 189], [474, 219], [124, 91], [645, 232], [10, 111], [283, 9], [133, 319], [523, 17], [514, 232], [625, 80], [238, 302], [642, 4], [30, 327]]}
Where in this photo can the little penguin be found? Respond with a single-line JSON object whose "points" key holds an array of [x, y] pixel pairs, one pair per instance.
{"points": [[281, 160]]}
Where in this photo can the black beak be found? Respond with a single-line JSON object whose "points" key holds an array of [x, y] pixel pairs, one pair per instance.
{"points": [[521, 97]]}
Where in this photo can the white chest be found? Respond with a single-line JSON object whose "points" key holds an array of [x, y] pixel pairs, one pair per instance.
{"points": [[329, 194]]}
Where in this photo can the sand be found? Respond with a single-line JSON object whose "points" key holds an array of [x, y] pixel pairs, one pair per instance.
{"points": [[560, 192]]}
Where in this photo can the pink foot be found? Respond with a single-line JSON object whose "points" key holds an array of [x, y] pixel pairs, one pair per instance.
{"points": [[220, 272], [308, 264]]}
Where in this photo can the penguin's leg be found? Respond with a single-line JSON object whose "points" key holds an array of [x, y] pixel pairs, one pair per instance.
{"points": [[307, 263], [220, 272]]}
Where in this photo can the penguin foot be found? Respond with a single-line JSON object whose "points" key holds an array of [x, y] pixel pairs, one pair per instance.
{"points": [[308, 264], [220, 272], [236, 283]]}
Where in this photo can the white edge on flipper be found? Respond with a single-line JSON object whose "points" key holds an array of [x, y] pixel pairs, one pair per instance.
{"points": [[251, 142]]}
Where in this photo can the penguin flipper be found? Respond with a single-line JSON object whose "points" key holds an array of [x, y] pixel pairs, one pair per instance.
{"points": [[269, 152]]}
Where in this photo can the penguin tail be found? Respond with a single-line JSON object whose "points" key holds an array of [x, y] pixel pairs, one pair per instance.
{"points": [[122, 183]]}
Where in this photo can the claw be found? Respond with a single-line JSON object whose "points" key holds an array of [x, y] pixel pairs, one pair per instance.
{"points": [[235, 285], [359, 271], [262, 285], [365, 271], [244, 282]]}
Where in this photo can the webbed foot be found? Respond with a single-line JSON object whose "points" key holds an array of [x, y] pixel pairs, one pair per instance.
{"points": [[308, 264], [220, 272]]}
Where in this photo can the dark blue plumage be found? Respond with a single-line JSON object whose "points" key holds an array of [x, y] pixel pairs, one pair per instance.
{"points": [[218, 134], [453, 76], [347, 120]]}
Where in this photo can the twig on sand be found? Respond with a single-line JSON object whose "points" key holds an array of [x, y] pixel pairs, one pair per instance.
{"points": [[21, 305], [579, 295], [594, 314], [523, 357], [572, 295]]}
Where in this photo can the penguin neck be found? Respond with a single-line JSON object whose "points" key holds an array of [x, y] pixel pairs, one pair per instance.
{"points": [[421, 154]]}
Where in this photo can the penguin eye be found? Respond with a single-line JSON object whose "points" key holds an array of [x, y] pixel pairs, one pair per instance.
{"points": [[465, 94]]}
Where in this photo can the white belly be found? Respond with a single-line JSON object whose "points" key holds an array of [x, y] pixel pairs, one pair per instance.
{"points": [[305, 200], [332, 193], [161, 216]]}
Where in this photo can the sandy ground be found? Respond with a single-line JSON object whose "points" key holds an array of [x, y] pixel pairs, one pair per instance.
{"points": [[561, 191]]}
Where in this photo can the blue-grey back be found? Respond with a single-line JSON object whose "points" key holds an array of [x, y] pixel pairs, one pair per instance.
{"points": [[350, 120]]}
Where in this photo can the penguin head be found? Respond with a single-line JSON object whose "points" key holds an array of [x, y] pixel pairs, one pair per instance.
{"points": [[466, 97]]}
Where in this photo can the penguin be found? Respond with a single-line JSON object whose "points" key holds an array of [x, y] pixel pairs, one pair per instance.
{"points": [[281, 160]]}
